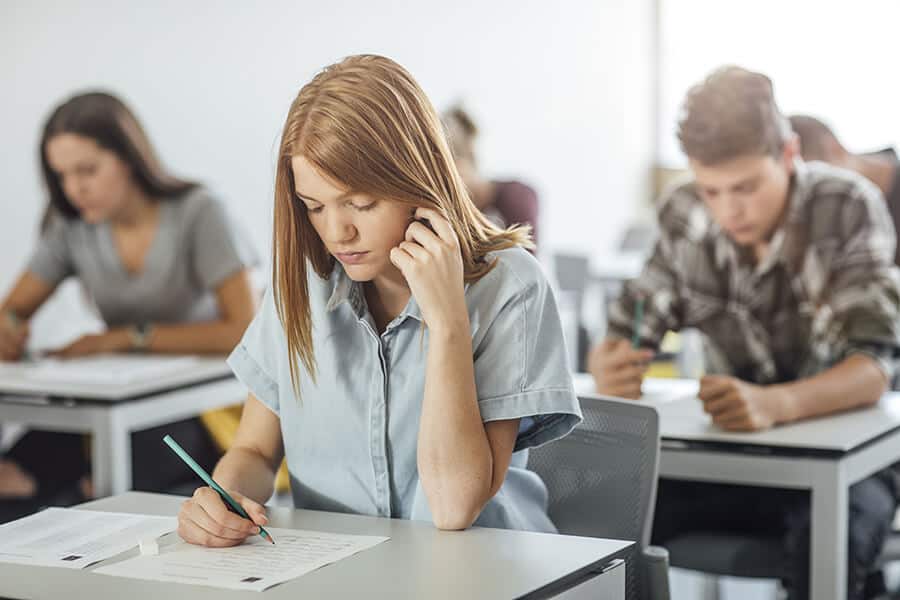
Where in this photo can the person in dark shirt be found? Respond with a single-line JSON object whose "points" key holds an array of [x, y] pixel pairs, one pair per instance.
{"points": [[504, 202], [818, 142]]}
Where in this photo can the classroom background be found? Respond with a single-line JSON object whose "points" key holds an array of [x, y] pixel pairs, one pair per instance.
{"points": [[579, 100]]}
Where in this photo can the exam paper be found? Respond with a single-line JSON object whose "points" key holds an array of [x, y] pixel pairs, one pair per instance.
{"points": [[255, 565], [105, 369], [75, 538]]}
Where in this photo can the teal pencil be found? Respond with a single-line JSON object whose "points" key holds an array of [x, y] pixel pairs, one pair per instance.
{"points": [[226, 497], [636, 324]]}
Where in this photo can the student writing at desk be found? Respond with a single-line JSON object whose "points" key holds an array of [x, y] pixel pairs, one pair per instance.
{"points": [[787, 269], [410, 350], [157, 257]]}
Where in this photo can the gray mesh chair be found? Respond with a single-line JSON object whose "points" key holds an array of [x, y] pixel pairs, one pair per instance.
{"points": [[573, 271], [601, 479]]}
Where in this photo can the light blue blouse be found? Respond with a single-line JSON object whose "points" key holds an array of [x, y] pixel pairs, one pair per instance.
{"points": [[350, 439]]}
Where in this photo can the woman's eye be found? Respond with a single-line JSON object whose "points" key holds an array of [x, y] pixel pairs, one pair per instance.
{"points": [[368, 206], [317, 209]]}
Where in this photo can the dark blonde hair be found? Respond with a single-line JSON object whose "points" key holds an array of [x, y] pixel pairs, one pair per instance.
{"points": [[732, 113], [365, 123]]}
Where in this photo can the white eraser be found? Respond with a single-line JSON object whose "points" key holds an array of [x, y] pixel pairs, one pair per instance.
{"points": [[149, 546]]}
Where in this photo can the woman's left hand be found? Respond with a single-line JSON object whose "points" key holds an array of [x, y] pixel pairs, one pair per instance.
{"points": [[432, 264], [110, 341]]}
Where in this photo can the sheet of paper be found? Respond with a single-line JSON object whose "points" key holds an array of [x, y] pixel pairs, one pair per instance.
{"points": [[75, 538], [255, 565], [110, 369]]}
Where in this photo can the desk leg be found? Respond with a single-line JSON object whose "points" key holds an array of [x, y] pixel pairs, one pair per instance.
{"points": [[111, 455], [828, 545]]}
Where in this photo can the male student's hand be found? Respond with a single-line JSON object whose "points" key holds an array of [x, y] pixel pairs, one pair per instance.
{"points": [[740, 406], [206, 521], [619, 369]]}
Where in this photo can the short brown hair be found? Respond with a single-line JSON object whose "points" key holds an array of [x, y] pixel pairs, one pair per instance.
{"points": [[731, 113]]}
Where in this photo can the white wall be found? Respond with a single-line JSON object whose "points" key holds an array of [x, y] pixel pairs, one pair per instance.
{"points": [[562, 93], [828, 58]]}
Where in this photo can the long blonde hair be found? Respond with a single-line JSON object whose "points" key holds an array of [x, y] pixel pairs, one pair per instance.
{"points": [[365, 123]]}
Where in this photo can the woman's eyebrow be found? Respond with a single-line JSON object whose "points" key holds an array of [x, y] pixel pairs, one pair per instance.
{"points": [[307, 198]]}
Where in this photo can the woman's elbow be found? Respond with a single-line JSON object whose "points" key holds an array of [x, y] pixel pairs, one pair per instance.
{"points": [[454, 519], [459, 511]]}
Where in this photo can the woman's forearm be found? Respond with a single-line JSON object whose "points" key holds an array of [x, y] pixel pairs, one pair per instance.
{"points": [[215, 337], [454, 456], [246, 471]]}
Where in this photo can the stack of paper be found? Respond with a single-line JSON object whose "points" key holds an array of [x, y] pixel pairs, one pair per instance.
{"points": [[74, 539], [107, 369], [254, 566]]}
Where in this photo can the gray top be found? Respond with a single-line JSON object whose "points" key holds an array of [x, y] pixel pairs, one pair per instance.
{"points": [[417, 562], [195, 248], [350, 439]]}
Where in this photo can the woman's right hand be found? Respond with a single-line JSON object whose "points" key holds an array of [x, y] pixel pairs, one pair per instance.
{"points": [[205, 520], [619, 369], [13, 338]]}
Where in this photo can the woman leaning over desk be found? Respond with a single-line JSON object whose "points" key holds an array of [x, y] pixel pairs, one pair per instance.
{"points": [[409, 351], [159, 260]]}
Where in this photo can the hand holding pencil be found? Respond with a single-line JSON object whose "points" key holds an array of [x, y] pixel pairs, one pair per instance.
{"points": [[618, 368], [215, 517]]}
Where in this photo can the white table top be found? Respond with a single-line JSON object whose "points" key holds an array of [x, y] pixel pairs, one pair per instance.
{"points": [[26, 379], [619, 266], [417, 562], [682, 419]]}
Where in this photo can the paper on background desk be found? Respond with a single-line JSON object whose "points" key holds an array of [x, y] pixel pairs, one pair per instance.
{"points": [[104, 369], [254, 566], [74, 538]]}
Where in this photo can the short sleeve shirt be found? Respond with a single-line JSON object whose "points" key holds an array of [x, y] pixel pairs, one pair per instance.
{"points": [[350, 437], [196, 247]]}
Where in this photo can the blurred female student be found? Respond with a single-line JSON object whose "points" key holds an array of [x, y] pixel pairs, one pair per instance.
{"points": [[158, 258], [505, 202], [409, 351]]}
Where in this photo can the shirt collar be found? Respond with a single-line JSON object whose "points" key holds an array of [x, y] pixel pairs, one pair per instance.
{"points": [[347, 290], [344, 289]]}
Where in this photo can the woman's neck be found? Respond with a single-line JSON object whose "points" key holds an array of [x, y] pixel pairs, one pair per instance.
{"points": [[137, 209], [387, 295]]}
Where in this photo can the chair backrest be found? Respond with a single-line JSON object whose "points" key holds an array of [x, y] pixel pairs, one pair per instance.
{"points": [[639, 237], [601, 478], [572, 271]]}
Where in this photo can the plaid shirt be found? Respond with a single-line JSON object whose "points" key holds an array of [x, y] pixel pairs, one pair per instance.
{"points": [[828, 287]]}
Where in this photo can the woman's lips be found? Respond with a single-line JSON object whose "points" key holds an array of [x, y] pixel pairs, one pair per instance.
{"points": [[351, 258]]}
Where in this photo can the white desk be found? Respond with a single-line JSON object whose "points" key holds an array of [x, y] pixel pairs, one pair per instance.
{"points": [[825, 455], [112, 412], [417, 562]]}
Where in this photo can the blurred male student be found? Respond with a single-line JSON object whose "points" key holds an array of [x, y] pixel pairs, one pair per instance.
{"points": [[787, 269]]}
